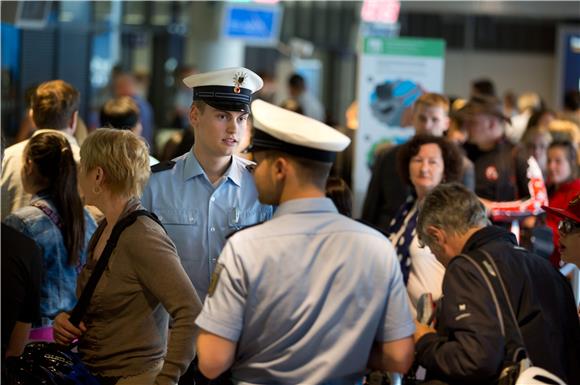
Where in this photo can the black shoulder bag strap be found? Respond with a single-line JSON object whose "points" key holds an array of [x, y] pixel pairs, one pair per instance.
{"points": [[513, 336], [82, 305]]}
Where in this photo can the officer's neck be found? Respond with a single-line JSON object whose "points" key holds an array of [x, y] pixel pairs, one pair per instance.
{"points": [[292, 191], [214, 167]]}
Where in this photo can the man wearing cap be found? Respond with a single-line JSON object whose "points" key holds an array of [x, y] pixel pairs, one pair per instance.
{"points": [[569, 229], [499, 176], [306, 296], [206, 194], [472, 343]]}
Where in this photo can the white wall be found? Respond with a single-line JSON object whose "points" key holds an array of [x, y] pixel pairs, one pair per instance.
{"points": [[509, 71]]}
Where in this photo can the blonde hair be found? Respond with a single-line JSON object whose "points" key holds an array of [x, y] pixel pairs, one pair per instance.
{"points": [[565, 130], [529, 101], [123, 156], [432, 99]]}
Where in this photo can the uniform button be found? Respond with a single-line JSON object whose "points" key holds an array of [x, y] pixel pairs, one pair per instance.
{"points": [[212, 199], [212, 229]]}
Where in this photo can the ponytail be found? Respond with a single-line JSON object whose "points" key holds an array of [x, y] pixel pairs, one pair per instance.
{"points": [[69, 205], [52, 155]]}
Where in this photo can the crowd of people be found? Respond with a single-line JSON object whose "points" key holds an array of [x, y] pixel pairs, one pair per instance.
{"points": [[249, 268]]}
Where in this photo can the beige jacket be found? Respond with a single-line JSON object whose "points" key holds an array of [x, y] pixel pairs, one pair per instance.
{"points": [[127, 320]]}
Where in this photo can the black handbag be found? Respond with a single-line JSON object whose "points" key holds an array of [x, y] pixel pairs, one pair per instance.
{"points": [[44, 363]]}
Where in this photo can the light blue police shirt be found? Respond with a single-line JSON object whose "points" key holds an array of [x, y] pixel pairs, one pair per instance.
{"points": [[304, 295], [199, 216]]}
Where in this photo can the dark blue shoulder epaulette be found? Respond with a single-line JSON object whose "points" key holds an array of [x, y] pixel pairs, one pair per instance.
{"points": [[242, 229], [162, 166]]}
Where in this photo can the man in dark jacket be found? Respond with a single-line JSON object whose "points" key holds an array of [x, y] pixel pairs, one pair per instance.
{"points": [[468, 346]]}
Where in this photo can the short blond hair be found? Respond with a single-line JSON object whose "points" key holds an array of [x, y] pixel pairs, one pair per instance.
{"points": [[432, 99], [123, 156]]}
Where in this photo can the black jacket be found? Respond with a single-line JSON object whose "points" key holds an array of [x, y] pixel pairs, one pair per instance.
{"points": [[386, 191], [469, 348]]}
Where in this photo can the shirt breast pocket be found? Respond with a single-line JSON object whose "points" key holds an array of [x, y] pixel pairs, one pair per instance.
{"points": [[175, 217], [184, 228]]}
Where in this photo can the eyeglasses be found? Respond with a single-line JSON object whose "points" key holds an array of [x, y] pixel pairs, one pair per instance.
{"points": [[567, 226]]}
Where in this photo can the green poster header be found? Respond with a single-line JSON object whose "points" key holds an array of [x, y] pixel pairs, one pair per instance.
{"points": [[404, 46]]}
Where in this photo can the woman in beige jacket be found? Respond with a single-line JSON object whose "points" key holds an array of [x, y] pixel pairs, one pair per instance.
{"points": [[124, 337]]}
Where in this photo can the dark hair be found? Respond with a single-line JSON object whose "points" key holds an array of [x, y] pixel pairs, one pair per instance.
{"points": [[121, 113], [311, 171], [52, 157], [53, 104], [341, 195], [484, 87], [199, 104], [572, 100], [452, 159], [537, 115], [296, 81], [571, 155]]}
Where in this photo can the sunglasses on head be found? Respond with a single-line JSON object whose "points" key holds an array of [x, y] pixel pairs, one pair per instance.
{"points": [[567, 226]]}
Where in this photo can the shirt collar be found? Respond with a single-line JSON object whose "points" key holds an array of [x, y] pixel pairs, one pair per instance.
{"points": [[486, 235], [193, 168], [43, 195], [236, 170], [306, 205], [71, 139]]}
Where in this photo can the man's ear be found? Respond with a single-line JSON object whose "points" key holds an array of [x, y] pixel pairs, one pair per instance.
{"points": [[280, 168], [27, 167], [194, 115], [73, 121], [99, 175], [436, 233]]}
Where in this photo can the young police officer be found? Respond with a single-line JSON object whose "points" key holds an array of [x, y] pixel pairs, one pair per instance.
{"points": [[304, 297], [206, 194]]}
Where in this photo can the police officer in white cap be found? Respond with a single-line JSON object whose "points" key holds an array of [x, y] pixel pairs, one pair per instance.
{"points": [[304, 297], [206, 194]]}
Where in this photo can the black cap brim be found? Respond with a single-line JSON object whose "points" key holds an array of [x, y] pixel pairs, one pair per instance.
{"points": [[229, 106]]}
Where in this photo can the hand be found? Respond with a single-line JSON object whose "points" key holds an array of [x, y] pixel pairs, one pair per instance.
{"points": [[422, 329], [64, 331]]}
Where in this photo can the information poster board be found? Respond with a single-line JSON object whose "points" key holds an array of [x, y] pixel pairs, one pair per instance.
{"points": [[393, 73]]}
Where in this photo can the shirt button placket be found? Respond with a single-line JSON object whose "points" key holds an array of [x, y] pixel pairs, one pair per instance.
{"points": [[211, 234]]}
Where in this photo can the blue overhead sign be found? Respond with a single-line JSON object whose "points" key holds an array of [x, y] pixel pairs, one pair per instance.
{"points": [[253, 24]]}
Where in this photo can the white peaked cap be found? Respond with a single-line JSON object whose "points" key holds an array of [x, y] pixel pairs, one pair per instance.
{"points": [[293, 133], [228, 89]]}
